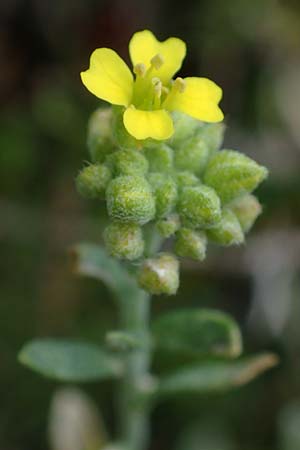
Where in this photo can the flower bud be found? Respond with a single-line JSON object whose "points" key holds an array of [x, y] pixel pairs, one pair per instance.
{"points": [[168, 225], [212, 134], [160, 158], [160, 275], [247, 209], [233, 174], [124, 240], [192, 155], [228, 231], [185, 179], [199, 207], [190, 244], [128, 162], [121, 137], [130, 199], [184, 127], [165, 192], [92, 180], [99, 137]]}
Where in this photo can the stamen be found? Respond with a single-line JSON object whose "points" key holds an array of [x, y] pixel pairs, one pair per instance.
{"points": [[155, 80], [165, 90], [140, 69], [179, 85], [158, 89], [157, 61]]}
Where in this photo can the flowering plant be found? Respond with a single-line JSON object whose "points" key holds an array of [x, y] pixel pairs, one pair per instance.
{"points": [[157, 162]]}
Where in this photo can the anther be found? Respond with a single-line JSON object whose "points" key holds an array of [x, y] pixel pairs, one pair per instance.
{"points": [[179, 84], [155, 80], [140, 69], [157, 61]]}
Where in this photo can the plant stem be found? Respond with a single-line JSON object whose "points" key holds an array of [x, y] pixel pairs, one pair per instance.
{"points": [[133, 409], [134, 412]]}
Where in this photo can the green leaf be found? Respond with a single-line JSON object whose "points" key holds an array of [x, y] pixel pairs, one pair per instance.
{"points": [[198, 332], [92, 260], [215, 376], [67, 360], [121, 341]]}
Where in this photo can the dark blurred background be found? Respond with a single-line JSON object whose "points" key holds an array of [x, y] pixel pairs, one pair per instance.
{"points": [[250, 48]]}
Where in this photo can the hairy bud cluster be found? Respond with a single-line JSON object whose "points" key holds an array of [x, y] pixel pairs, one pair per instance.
{"points": [[192, 191]]}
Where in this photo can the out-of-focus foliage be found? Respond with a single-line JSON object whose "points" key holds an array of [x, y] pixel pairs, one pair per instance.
{"points": [[251, 49]]}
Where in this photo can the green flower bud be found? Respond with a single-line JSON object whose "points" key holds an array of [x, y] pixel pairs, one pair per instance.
{"points": [[185, 179], [199, 207], [130, 199], [165, 192], [212, 134], [228, 231], [92, 180], [247, 209], [190, 244], [99, 137], [192, 155], [160, 158], [160, 275], [233, 174], [168, 225], [184, 127], [121, 137], [128, 162], [124, 240]]}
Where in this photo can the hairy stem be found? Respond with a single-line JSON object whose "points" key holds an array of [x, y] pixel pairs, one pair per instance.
{"points": [[134, 421], [133, 409]]}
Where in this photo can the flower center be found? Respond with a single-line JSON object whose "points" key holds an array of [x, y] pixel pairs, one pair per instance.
{"points": [[149, 93], [148, 90]]}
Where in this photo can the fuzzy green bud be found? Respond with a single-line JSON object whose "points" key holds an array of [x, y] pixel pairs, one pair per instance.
{"points": [[192, 155], [165, 192], [199, 207], [124, 240], [212, 134], [128, 162], [184, 127], [120, 135], [130, 199], [168, 225], [228, 231], [185, 179], [160, 275], [233, 174], [160, 158], [99, 137], [92, 180], [190, 244], [247, 209]]}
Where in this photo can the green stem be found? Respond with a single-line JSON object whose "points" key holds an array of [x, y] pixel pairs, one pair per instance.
{"points": [[133, 408], [134, 412]]}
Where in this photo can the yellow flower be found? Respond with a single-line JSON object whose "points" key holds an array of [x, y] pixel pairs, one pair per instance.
{"points": [[151, 94]]}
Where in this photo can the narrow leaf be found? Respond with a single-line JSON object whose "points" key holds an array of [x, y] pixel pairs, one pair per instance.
{"points": [[198, 332], [214, 376], [92, 260], [67, 360]]}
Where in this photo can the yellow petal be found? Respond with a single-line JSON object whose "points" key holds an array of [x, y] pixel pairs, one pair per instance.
{"points": [[148, 124], [144, 45], [199, 99], [108, 77]]}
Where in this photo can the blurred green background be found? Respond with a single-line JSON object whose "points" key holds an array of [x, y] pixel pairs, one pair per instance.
{"points": [[250, 48]]}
